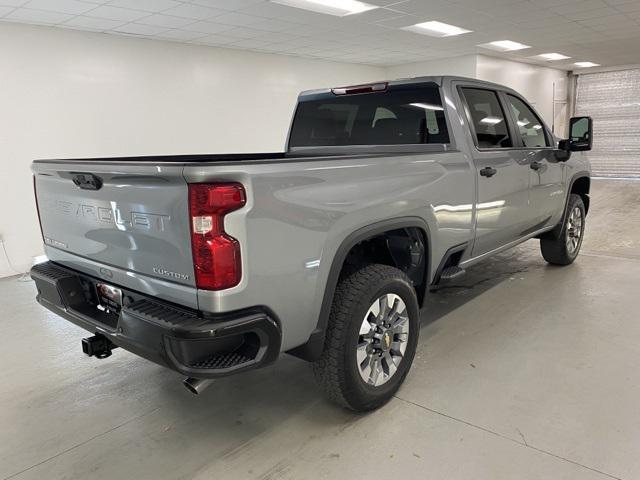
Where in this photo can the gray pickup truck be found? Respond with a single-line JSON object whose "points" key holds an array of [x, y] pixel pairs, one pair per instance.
{"points": [[215, 264]]}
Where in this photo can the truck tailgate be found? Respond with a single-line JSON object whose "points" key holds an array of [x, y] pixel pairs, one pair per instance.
{"points": [[123, 222]]}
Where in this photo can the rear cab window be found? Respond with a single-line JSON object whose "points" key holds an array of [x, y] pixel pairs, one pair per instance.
{"points": [[487, 117], [401, 115]]}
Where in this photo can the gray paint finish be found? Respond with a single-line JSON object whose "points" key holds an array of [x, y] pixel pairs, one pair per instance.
{"points": [[301, 212], [137, 222], [300, 209]]}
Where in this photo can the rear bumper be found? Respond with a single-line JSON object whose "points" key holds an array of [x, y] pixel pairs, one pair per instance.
{"points": [[191, 342]]}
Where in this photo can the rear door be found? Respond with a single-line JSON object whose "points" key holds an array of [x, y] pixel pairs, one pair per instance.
{"points": [[502, 208], [545, 172], [127, 223]]}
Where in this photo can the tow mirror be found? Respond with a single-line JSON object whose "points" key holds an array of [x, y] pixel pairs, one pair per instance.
{"points": [[580, 138], [580, 134]]}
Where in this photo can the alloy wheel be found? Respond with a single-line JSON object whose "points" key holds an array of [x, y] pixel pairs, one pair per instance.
{"points": [[383, 339], [574, 230]]}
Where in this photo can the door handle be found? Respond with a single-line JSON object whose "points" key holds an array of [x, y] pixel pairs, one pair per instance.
{"points": [[535, 165], [488, 172]]}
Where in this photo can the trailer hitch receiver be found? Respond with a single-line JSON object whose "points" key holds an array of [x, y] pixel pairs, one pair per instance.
{"points": [[98, 346]]}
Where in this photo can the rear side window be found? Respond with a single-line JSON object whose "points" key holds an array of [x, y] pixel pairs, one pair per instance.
{"points": [[394, 117], [529, 125], [488, 118]]}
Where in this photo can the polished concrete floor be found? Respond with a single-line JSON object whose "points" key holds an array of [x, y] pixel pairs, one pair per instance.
{"points": [[524, 371]]}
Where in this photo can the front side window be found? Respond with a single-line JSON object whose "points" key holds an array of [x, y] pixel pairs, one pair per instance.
{"points": [[529, 126], [398, 116], [488, 118]]}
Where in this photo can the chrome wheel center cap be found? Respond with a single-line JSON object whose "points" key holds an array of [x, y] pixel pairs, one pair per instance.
{"points": [[387, 340]]}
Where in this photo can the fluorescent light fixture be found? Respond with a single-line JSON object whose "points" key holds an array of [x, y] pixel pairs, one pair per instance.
{"points": [[552, 57], [339, 8], [586, 64], [504, 46], [437, 29], [427, 106], [491, 120]]}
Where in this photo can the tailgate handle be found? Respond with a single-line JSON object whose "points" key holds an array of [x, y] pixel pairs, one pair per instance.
{"points": [[87, 181]]}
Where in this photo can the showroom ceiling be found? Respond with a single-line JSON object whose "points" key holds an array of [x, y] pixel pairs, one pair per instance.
{"points": [[606, 32]]}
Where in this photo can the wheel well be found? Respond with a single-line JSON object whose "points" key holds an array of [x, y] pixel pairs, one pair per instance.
{"points": [[581, 187], [403, 248], [398, 243]]}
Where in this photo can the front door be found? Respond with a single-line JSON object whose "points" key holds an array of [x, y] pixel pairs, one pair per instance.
{"points": [[502, 209], [546, 174]]}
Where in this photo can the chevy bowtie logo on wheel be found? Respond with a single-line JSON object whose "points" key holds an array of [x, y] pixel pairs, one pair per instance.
{"points": [[387, 340]]}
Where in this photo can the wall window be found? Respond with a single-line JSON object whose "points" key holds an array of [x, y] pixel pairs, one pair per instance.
{"points": [[487, 118], [530, 127]]}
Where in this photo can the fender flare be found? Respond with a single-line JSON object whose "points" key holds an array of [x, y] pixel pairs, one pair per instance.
{"points": [[312, 349], [555, 232], [577, 176]]}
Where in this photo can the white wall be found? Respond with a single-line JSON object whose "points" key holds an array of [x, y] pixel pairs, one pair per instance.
{"points": [[535, 83], [463, 66], [68, 94]]}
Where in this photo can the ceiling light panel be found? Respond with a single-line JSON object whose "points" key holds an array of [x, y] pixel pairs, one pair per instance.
{"points": [[437, 29], [504, 46], [552, 57], [339, 8], [586, 64]]}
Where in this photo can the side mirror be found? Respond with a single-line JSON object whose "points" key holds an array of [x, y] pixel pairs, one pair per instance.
{"points": [[580, 134]]}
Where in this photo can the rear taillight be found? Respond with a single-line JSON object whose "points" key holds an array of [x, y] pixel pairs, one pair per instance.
{"points": [[216, 255]]}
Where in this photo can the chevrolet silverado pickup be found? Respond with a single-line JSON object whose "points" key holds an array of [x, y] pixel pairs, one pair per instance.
{"points": [[212, 265]]}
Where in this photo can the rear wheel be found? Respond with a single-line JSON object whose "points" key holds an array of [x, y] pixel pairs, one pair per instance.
{"points": [[563, 249], [371, 338]]}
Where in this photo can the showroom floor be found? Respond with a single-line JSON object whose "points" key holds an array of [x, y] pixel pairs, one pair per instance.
{"points": [[524, 371]]}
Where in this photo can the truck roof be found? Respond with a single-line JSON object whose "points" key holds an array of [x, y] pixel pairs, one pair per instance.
{"points": [[436, 79]]}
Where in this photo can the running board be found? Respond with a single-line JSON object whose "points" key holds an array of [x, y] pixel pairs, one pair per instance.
{"points": [[449, 268], [451, 273]]}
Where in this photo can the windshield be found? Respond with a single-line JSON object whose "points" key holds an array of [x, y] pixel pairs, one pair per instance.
{"points": [[398, 116]]}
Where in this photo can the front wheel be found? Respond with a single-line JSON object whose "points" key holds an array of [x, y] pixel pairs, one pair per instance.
{"points": [[371, 338], [564, 248]]}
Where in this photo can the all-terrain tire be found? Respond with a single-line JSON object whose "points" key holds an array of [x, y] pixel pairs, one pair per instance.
{"points": [[338, 370], [563, 248]]}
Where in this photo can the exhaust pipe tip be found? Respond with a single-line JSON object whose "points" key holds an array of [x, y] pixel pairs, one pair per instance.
{"points": [[197, 385]]}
